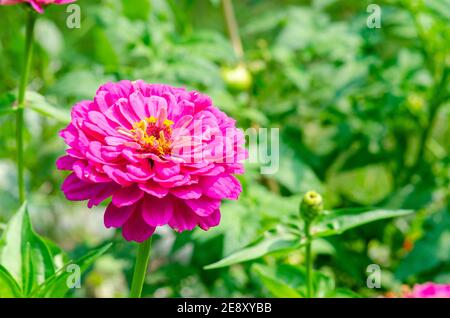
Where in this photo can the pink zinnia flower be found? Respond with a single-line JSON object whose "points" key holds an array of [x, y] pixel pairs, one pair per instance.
{"points": [[165, 155], [429, 290], [36, 4]]}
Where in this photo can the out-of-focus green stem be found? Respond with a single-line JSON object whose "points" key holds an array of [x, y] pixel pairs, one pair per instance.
{"points": [[31, 20], [140, 268], [308, 261], [233, 28]]}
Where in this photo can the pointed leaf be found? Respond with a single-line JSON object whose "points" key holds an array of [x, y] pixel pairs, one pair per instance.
{"points": [[274, 284], [8, 286], [6, 104], [40, 104], [24, 254], [57, 286], [266, 245], [339, 221]]}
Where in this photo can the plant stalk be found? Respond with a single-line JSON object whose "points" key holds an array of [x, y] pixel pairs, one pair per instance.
{"points": [[309, 288], [140, 268], [233, 28], [31, 21]]}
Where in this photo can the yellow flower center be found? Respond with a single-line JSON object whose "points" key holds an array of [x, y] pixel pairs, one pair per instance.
{"points": [[153, 137]]}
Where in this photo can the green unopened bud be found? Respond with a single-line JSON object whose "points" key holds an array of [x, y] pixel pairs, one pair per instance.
{"points": [[311, 206], [238, 78]]}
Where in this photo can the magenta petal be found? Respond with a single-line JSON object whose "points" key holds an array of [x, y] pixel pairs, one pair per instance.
{"points": [[138, 103], [105, 191], [36, 6], [203, 206], [127, 196], [65, 162], [183, 218], [136, 229], [116, 217], [188, 192], [166, 170], [222, 187], [210, 221], [155, 211], [76, 189], [117, 175], [154, 189]]}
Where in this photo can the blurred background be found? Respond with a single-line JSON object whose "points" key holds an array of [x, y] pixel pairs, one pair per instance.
{"points": [[363, 114]]}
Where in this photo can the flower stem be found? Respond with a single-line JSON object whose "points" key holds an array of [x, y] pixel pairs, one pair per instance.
{"points": [[233, 28], [31, 19], [140, 268], [309, 288]]}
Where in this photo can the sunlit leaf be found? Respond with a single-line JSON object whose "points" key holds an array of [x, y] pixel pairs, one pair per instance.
{"points": [[339, 221], [39, 104], [8, 286], [265, 245], [60, 283], [24, 254], [275, 285], [6, 104]]}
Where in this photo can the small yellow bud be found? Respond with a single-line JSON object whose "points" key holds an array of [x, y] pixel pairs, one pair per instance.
{"points": [[311, 206]]}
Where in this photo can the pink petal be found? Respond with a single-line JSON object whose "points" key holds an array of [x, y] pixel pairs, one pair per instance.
{"points": [[136, 229], [65, 163], [166, 170], [212, 220], [203, 206], [127, 196], [116, 217], [137, 101], [154, 189], [188, 192], [157, 212], [183, 218], [221, 187]]}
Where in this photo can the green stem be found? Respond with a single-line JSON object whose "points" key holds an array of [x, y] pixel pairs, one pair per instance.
{"points": [[309, 288], [140, 268], [31, 19], [233, 28]]}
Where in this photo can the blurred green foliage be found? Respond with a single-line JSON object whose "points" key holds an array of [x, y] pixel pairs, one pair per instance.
{"points": [[363, 115]]}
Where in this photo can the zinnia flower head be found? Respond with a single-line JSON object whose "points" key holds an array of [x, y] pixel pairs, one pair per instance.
{"points": [[165, 155], [429, 290], [36, 4]]}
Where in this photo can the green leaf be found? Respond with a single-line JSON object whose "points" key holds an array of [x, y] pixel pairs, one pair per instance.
{"points": [[57, 286], [295, 174], [137, 9], [6, 104], [269, 244], [40, 104], [274, 284], [439, 7], [431, 251], [339, 221], [24, 254], [8, 286], [289, 281], [365, 185], [343, 293]]}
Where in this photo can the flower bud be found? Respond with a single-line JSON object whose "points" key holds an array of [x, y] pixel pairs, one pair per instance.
{"points": [[311, 206], [238, 78]]}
